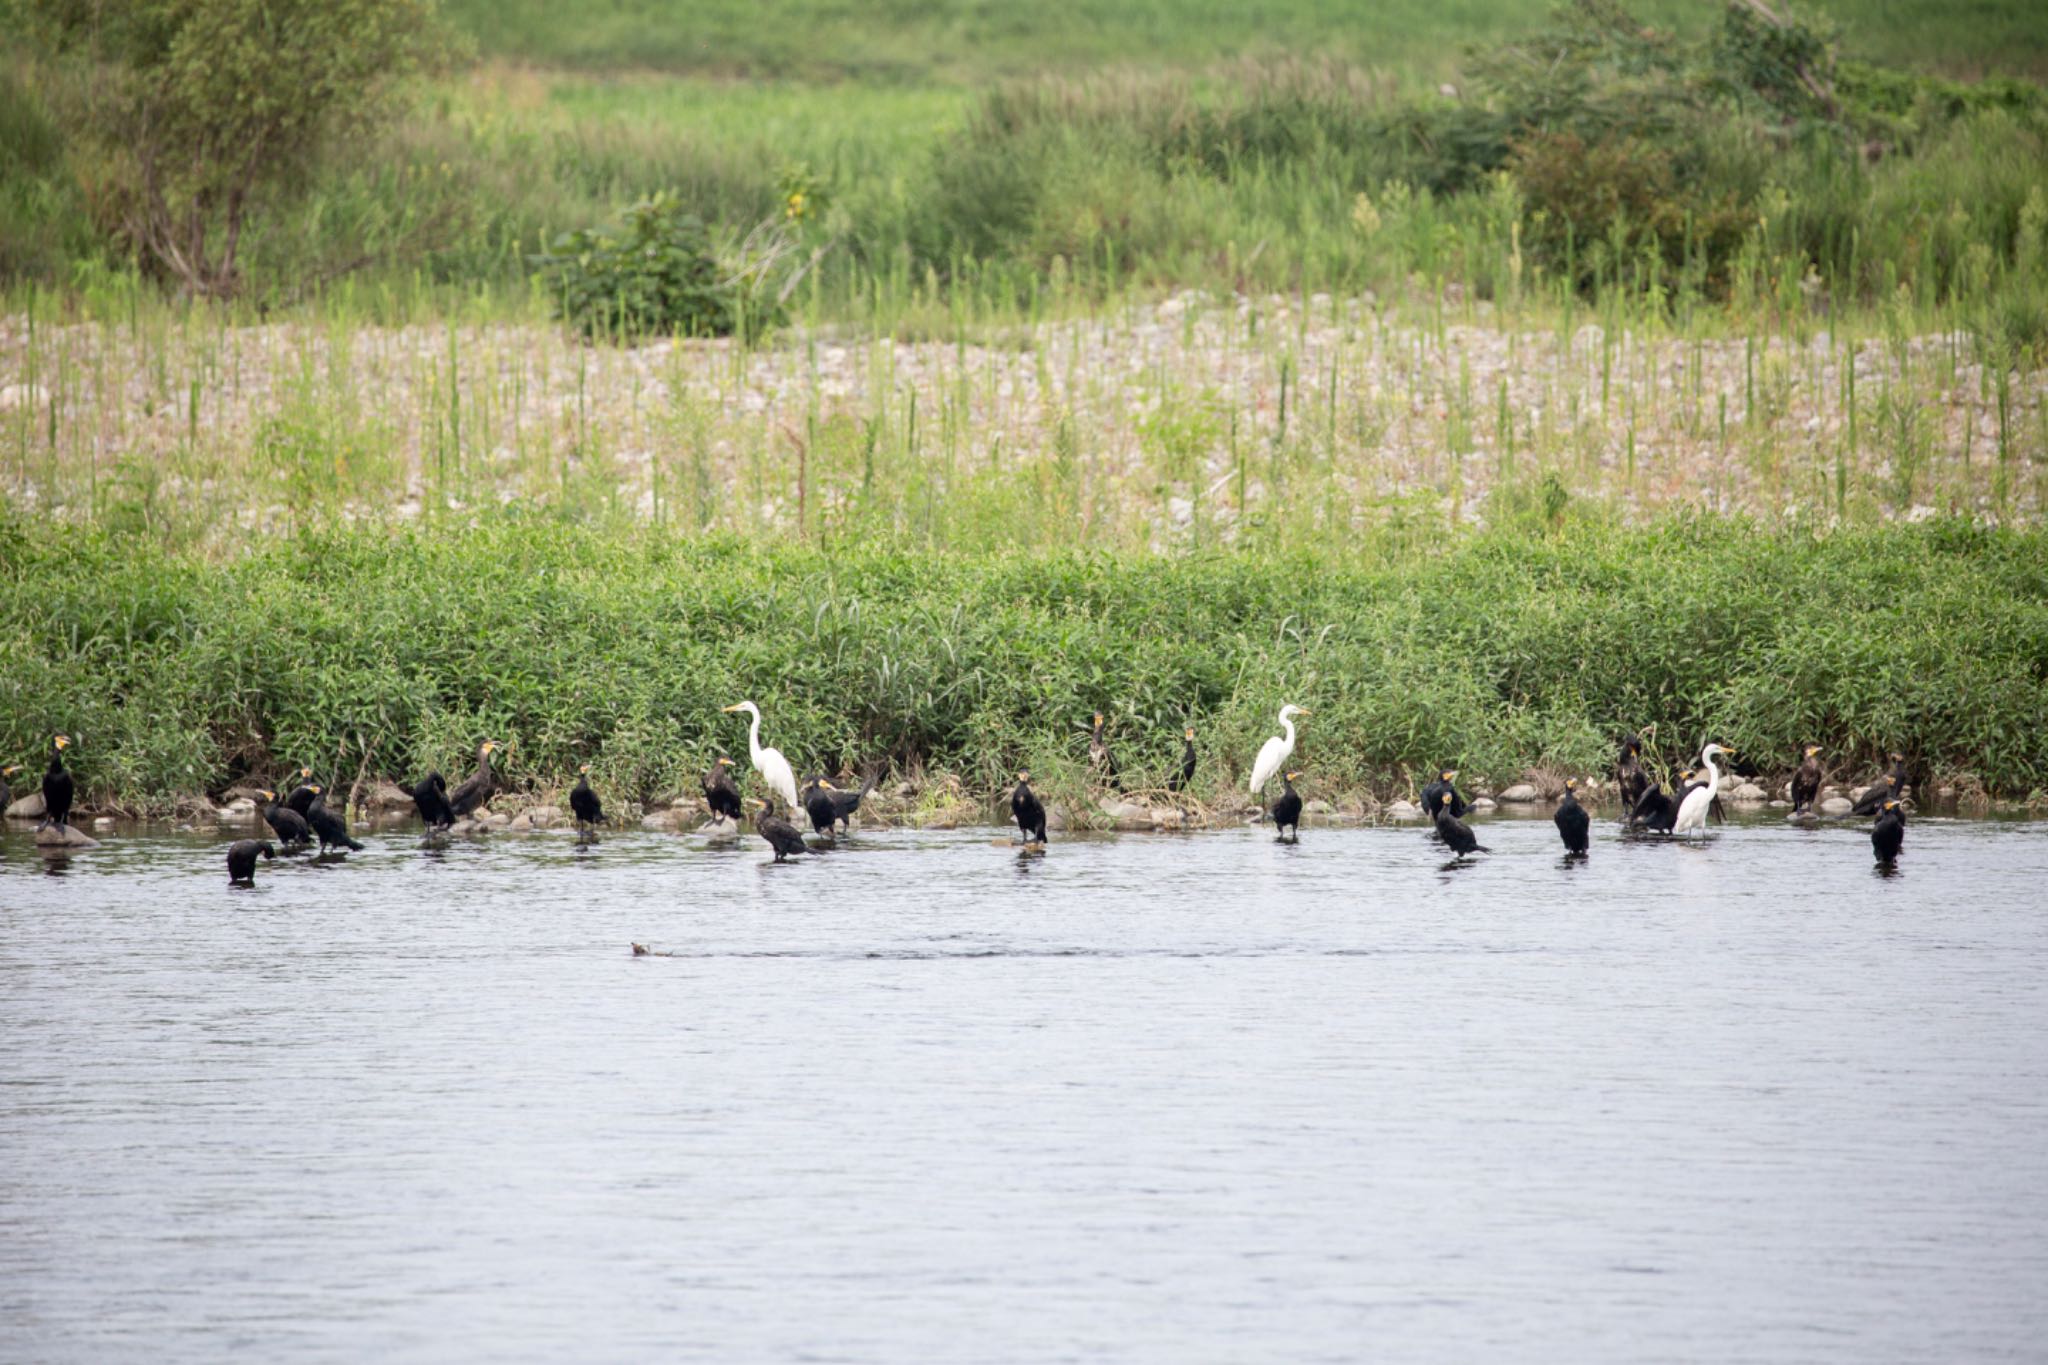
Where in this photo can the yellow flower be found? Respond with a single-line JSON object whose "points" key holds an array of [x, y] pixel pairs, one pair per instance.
{"points": [[796, 204]]}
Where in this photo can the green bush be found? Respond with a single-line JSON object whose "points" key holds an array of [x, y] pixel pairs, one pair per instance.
{"points": [[653, 275], [400, 647]]}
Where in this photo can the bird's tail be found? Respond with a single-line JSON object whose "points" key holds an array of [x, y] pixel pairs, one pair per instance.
{"points": [[352, 843], [1481, 848]]}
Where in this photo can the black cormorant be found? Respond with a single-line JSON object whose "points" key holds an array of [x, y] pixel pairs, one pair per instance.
{"points": [[1030, 814], [330, 827], [431, 797], [1457, 834], [1287, 811], [1806, 780], [242, 860], [57, 785], [1629, 776], [582, 800], [1889, 833], [781, 835], [7, 792], [844, 802], [1440, 792], [819, 805], [1099, 756], [288, 824], [480, 786], [301, 797], [1573, 824], [1185, 774], [1655, 811], [1891, 786], [720, 792]]}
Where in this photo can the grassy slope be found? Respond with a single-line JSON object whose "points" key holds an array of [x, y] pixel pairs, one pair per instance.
{"points": [[1495, 651], [965, 40]]}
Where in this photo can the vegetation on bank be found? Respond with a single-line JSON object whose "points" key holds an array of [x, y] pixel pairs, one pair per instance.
{"points": [[374, 649], [1733, 160]]}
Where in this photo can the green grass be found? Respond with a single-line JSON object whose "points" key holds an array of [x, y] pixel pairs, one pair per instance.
{"points": [[372, 647], [907, 41]]}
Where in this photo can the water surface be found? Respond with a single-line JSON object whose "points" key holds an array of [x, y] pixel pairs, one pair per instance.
{"points": [[1158, 1098]]}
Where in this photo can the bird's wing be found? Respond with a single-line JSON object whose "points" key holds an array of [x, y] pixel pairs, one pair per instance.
{"points": [[1270, 757]]}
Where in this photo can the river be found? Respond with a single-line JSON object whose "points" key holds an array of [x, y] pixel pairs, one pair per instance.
{"points": [[1148, 1098]]}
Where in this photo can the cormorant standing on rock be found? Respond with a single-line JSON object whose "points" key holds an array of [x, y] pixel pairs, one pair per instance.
{"points": [[1806, 780], [1629, 775], [431, 796], [1029, 812], [480, 786], [301, 797], [1891, 786], [844, 803], [1888, 835], [242, 860], [1287, 811], [781, 835], [1457, 834], [720, 792], [1441, 792], [1655, 812], [288, 824], [819, 805], [582, 800], [329, 826], [1099, 756], [1573, 824], [1179, 780], [57, 785]]}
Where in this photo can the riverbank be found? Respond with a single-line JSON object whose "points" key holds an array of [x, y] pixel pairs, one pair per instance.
{"points": [[1519, 653]]}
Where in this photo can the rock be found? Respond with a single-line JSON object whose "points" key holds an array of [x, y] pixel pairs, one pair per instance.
{"points": [[1837, 805], [1746, 794], [388, 798], [1521, 794], [28, 807], [1856, 793], [535, 818], [1402, 810], [1055, 818], [1169, 817], [65, 836], [905, 790], [664, 821], [490, 821], [23, 396], [1781, 805], [241, 808], [1482, 805], [1127, 815], [1318, 807], [720, 831]]}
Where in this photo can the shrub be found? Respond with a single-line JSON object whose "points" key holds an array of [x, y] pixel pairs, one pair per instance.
{"points": [[654, 274]]}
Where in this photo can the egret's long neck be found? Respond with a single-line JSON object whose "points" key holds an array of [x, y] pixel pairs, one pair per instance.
{"points": [[1287, 724], [754, 739], [1713, 777]]}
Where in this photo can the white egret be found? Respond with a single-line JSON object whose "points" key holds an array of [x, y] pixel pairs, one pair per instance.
{"points": [[773, 767], [1275, 752], [1692, 813]]}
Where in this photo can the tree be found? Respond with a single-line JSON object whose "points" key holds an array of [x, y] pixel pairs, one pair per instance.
{"points": [[206, 110]]}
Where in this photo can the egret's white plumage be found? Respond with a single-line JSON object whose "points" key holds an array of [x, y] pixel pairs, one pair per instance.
{"points": [[1692, 815], [1275, 752], [773, 767]]}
